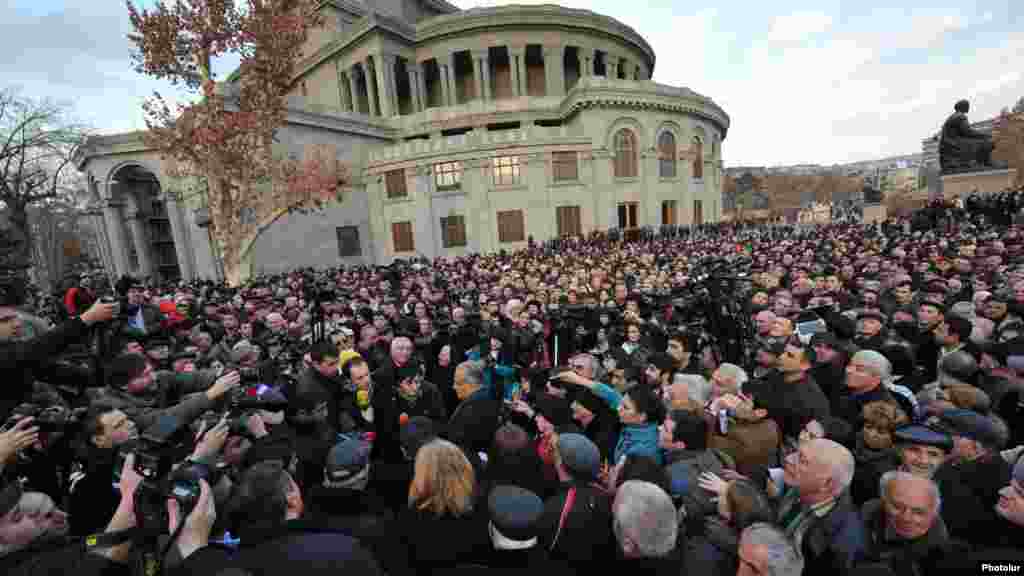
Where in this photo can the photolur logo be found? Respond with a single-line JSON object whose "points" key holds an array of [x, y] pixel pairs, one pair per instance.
{"points": [[1000, 568]]}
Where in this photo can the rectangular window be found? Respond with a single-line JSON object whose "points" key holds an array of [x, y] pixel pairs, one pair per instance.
{"points": [[448, 175], [506, 170], [568, 220], [668, 213], [565, 166], [627, 215], [698, 212], [453, 231], [511, 227], [348, 241], [394, 182], [401, 235]]}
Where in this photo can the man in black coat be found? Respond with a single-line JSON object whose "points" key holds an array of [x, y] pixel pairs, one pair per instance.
{"points": [[790, 395], [24, 362], [266, 516], [971, 479]]}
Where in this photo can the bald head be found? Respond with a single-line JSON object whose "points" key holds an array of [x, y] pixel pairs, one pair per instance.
{"points": [[911, 503], [820, 469], [401, 350]]}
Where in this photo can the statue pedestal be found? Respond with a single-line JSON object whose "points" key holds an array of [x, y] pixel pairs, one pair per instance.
{"points": [[875, 213], [985, 182]]}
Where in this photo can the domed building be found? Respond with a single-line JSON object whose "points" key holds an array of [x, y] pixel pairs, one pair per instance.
{"points": [[466, 131]]}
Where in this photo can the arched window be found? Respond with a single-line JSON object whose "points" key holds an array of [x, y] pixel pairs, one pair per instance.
{"points": [[667, 155], [625, 154], [698, 158]]}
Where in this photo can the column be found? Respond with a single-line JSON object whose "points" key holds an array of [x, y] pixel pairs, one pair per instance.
{"points": [[138, 231], [478, 75], [385, 83], [421, 85], [442, 77], [414, 89], [515, 55], [486, 68], [373, 104], [353, 89], [115, 231], [586, 61], [611, 66], [453, 90], [180, 234], [554, 74]]}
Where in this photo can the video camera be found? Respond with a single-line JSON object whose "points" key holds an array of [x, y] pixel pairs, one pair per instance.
{"points": [[248, 401], [48, 419]]}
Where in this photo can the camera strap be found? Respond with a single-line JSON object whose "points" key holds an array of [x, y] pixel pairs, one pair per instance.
{"points": [[111, 539]]}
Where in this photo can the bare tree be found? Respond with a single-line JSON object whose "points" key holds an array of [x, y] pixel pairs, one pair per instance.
{"points": [[37, 141], [56, 241]]}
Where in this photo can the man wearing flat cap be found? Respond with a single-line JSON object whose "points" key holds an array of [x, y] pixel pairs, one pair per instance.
{"points": [[921, 449], [515, 514], [971, 479], [870, 330]]}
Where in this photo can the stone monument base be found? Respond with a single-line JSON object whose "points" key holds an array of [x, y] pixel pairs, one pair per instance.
{"points": [[875, 213], [985, 182]]}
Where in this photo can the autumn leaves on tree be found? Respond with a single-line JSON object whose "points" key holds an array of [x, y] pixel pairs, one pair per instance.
{"points": [[225, 139]]}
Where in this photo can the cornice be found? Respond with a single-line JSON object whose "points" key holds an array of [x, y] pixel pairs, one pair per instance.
{"points": [[547, 15], [124, 143], [597, 92], [353, 123]]}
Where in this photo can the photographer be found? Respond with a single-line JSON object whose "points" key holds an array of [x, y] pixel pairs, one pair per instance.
{"points": [[27, 361], [144, 394], [267, 508]]}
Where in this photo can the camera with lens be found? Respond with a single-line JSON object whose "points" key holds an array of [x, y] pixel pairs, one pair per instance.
{"points": [[48, 419]]}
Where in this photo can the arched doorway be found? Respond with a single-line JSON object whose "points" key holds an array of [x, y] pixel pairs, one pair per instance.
{"points": [[149, 242]]}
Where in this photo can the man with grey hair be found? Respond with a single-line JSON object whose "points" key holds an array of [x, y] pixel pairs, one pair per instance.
{"points": [[903, 527], [644, 522], [817, 511], [766, 551], [728, 379], [475, 419], [867, 380]]}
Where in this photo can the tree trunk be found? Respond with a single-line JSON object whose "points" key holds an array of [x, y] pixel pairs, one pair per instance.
{"points": [[19, 251]]}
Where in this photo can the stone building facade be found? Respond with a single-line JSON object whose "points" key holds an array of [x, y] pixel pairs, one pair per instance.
{"points": [[465, 130]]}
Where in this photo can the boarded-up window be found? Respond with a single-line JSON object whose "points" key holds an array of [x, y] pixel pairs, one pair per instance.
{"points": [[506, 170], [698, 158], [667, 155], [625, 154], [565, 166], [628, 215], [394, 182], [453, 231], [348, 241], [668, 213], [568, 220], [698, 212], [448, 175], [511, 227], [401, 235]]}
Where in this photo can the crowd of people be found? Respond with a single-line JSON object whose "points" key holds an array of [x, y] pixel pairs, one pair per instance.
{"points": [[725, 399]]}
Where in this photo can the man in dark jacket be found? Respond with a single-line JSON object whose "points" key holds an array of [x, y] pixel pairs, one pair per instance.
{"points": [[24, 362], [576, 525], [790, 395], [816, 509], [475, 419], [313, 411], [903, 528], [971, 479], [144, 394], [268, 506]]}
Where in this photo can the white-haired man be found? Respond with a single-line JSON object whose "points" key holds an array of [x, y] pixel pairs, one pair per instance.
{"points": [[766, 551], [903, 527], [816, 509], [868, 378], [645, 525]]}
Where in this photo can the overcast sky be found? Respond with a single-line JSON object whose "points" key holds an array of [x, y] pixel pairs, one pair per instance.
{"points": [[804, 82]]}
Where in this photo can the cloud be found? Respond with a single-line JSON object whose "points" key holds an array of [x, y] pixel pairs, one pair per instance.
{"points": [[798, 26]]}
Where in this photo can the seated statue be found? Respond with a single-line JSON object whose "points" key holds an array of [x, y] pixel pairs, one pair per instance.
{"points": [[962, 148]]}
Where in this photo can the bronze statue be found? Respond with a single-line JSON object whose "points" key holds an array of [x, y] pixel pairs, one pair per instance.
{"points": [[962, 148]]}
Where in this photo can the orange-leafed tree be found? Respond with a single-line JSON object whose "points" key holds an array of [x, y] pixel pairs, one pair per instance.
{"points": [[225, 138], [1009, 139]]}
